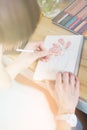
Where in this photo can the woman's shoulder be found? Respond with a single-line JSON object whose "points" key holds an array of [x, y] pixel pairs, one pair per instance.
{"points": [[27, 103], [28, 90]]}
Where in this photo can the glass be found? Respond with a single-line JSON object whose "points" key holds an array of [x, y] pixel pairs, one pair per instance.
{"points": [[49, 8]]}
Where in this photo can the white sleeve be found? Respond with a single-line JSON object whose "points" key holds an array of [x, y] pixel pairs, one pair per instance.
{"points": [[25, 108]]}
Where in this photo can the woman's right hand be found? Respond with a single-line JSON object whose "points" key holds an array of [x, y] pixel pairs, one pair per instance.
{"points": [[24, 60], [67, 92]]}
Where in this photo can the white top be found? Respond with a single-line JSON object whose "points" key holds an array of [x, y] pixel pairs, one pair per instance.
{"points": [[24, 108]]}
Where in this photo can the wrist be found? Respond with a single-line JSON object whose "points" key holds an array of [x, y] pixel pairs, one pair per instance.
{"points": [[70, 119], [65, 111]]}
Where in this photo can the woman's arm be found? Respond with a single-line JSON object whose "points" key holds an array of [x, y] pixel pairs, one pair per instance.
{"points": [[63, 125], [25, 59], [67, 93]]}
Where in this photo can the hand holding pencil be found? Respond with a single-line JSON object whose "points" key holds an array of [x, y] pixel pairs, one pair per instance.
{"points": [[32, 52]]}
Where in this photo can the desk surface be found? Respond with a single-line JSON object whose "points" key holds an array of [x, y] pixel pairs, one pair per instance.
{"points": [[46, 27]]}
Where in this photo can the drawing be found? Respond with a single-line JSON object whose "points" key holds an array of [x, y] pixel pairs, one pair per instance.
{"points": [[60, 47]]}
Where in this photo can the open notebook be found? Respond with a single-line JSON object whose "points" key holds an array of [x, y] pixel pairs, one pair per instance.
{"points": [[66, 56]]}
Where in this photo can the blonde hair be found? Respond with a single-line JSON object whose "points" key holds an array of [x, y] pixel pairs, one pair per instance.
{"points": [[18, 19]]}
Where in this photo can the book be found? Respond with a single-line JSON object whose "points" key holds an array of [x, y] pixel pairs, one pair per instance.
{"points": [[66, 54]]}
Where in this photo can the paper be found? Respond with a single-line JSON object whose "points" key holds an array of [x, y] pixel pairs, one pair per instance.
{"points": [[65, 50]]}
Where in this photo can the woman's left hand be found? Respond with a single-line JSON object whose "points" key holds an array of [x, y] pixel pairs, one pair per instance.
{"points": [[67, 92]]}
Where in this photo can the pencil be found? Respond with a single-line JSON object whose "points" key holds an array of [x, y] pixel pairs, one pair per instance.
{"points": [[22, 50]]}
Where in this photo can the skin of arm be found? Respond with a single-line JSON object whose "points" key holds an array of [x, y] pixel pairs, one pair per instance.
{"points": [[67, 94], [66, 85], [25, 59], [63, 125]]}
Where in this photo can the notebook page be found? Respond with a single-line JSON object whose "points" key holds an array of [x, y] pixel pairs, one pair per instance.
{"points": [[65, 61]]}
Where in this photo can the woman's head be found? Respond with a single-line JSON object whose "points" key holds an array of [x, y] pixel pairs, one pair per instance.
{"points": [[18, 19]]}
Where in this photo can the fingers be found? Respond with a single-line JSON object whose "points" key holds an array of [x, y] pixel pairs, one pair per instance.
{"points": [[59, 77], [65, 78], [72, 80], [77, 86], [58, 83], [67, 91], [68, 80], [42, 54], [40, 51], [41, 44], [77, 81], [35, 45]]}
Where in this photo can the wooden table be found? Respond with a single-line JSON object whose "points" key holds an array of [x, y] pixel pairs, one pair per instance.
{"points": [[46, 27]]}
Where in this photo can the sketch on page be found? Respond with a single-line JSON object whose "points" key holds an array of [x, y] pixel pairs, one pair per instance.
{"points": [[60, 47]]}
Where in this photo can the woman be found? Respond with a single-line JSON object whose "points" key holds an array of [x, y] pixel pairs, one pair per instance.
{"points": [[21, 107]]}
